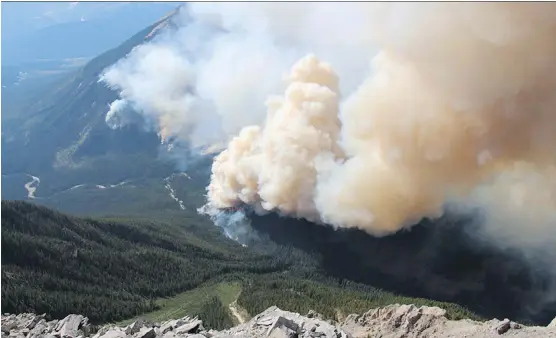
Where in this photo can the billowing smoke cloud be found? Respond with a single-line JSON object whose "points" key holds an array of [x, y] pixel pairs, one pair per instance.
{"points": [[457, 108], [121, 114], [276, 167], [155, 80], [207, 79], [236, 225]]}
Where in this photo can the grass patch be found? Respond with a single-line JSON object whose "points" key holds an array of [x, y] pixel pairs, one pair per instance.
{"points": [[190, 303]]}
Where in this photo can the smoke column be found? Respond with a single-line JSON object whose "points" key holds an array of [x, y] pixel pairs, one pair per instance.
{"points": [[457, 108]]}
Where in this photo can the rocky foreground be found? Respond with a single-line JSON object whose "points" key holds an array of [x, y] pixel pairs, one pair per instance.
{"points": [[394, 321]]}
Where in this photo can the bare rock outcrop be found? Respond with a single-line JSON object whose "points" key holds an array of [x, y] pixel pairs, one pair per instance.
{"points": [[393, 321], [409, 321], [396, 321], [29, 325], [274, 322]]}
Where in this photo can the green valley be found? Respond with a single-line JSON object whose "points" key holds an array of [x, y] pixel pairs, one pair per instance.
{"points": [[113, 269]]}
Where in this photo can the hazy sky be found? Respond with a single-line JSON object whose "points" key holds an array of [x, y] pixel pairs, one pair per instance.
{"points": [[32, 30]]}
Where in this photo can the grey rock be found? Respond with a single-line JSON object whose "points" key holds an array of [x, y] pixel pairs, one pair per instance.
{"points": [[515, 326], [58, 325], [146, 333], [8, 326], [282, 333], [266, 321], [314, 314], [283, 327], [393, 321], [180, 322], [102, 331], [552, 323], [69, 326], [503, 327], [113, 334], [40, 328], [137, 326], [171, 325], [30, 324], [192, 327], [324, 331]]}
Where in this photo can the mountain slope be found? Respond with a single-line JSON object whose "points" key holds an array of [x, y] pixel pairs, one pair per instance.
{"points": [[108, 269], [61, 135], [113, 269]]}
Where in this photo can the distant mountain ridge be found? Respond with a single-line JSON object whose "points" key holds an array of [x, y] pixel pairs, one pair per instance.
{"points": [[84, 30], [61, 135]]}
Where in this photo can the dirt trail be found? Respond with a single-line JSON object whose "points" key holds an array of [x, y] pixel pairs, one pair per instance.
{"points": [[236, 312]]}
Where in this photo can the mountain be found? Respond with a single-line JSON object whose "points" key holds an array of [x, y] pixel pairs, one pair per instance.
{"points": [[43, 42], [148, 253], [27, 76], [60, 134]]}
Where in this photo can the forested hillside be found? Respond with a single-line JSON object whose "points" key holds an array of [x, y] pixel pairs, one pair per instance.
{"points": [[107, 270], [114, 269]]}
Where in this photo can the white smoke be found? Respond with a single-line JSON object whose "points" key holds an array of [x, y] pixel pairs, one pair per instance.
{"points": [[235, 225], [208, 79], [120, 114], [417, 105]]}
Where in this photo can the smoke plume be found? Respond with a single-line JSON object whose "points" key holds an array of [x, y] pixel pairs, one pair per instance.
{"points": [[457, 108]]}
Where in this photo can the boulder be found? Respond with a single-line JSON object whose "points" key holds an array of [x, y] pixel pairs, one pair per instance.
{"points": [[40, 328], [69, 326], [103, 330], [314, 314], [146, 333], [113, 334], [283, 327], [7, 326], [137, 326], [171, 325], [30, 324], [503, 326], [194, 326]]}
